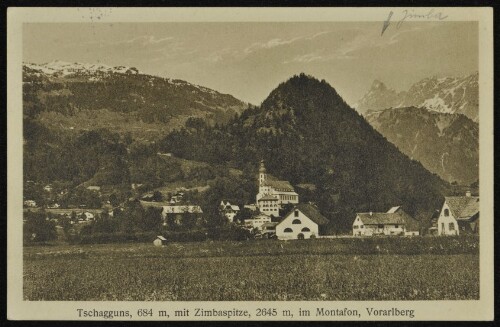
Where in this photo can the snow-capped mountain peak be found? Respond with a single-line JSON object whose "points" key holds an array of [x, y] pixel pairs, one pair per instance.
{"points": [[443, 94], [63, 68]]}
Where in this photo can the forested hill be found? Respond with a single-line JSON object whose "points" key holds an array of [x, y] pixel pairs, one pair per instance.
{"points": [[77, 96], [306, 133]]}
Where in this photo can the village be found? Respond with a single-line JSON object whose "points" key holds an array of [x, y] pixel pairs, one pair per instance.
{"points": [[277, 213]]}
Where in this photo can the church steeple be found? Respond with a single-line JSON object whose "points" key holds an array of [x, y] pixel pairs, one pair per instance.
{"points": [[262, 173]]}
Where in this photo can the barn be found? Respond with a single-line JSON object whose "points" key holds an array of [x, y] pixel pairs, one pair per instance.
{"points": [[393, 222], [302, 222]]}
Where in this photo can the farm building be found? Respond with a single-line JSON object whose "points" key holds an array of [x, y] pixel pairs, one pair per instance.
{"points": [[257, 221], [459, 214], [301, 222], [270, 186], [229, 210], [393, 222], [181, 215], [94, 188], [160, 240]]}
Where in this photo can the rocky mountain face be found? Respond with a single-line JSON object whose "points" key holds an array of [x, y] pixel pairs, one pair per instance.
{"points": [[76, 96], [306, 133], [446, 144], [445, 95]]}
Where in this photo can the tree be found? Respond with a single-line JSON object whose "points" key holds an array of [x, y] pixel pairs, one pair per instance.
{"points": [[157, 196], [243, 214], [152, 219], [37, 228]]}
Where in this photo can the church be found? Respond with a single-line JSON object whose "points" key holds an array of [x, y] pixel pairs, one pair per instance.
{"points": [[273, 193]]}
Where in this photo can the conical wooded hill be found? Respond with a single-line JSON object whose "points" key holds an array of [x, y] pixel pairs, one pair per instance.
{"points": [[306, 133]]}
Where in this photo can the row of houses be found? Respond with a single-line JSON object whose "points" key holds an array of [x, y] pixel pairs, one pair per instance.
{"points": [[459, 214]]}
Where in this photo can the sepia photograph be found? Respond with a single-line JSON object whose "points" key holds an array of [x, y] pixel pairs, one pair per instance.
{"points": [[314, 161]]}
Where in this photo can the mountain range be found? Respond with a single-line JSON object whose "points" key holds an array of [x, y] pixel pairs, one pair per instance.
{"points": [[446, 144], [77, 96], [434, 122], [445, 95], [97, 117]]}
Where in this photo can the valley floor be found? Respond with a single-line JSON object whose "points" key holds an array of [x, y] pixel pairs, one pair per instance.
{"points": [[251, 271]]}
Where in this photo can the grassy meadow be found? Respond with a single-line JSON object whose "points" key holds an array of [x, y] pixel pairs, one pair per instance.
{"points": [[324, 269]]}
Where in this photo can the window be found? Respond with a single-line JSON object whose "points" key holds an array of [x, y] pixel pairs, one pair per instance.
{"points": [[446, 212], [451, 226], [305, 229], [396, 226], [356, 227], [296, 213], [380, 226], [362, 226], [288, 230], [296, 222]]}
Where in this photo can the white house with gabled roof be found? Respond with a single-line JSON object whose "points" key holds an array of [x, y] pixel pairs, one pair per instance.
{"points": [[302, 222], [459, 214]]}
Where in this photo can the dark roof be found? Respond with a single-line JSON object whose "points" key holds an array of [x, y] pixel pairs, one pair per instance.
{"points": [[312, 213], [463, 207], [277, 184], [395, 215], [381, 218], [411, 223], [268, 198], [269, 224], [281, 185]]}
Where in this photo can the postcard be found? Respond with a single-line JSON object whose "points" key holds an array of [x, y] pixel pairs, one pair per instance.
{"points": [[241, 164]]}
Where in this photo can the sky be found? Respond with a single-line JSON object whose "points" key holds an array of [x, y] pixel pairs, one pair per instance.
{"points": [[249, 60]]}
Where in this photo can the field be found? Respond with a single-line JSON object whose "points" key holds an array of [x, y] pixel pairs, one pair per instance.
{"points": [[328, 269]]}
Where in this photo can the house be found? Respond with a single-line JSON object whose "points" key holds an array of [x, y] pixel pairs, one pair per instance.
{"points": [[48, 188], [53, 206], [269, 229], [159, 241], [393, 222], [269, 205], [459, 214], [229, 210], [86, 216], [176, 198], [301, 222], [178, 214], [251, 207], [94, 188], [269, 185], [89, 215], [257, 221], [30, 203], [135, 185], [433, 229]]}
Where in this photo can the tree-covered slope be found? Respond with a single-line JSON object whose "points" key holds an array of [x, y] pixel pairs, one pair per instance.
{"points": [[306, 133]]}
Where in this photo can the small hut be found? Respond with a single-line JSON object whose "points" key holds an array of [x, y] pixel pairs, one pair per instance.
{"points": [[160, 240]]}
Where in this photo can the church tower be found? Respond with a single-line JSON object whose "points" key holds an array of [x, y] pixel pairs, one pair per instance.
{"points": [[262, 174]]}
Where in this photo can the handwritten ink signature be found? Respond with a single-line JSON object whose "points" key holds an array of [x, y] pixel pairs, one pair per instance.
{"points": [[412, 15]]}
